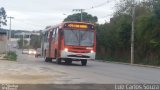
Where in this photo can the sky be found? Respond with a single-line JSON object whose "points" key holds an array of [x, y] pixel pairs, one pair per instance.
{"points": [[37, 14]]}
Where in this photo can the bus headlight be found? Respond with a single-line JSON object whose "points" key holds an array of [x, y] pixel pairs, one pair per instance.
{"points": [[34, 52], [66, 49], [92, 51], [30, 52]]}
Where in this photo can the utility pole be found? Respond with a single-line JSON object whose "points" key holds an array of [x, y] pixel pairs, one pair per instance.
{"points": [[10, 26], [0, 22], [9, 32], [132, 32], [0, 18], [23, 40], [80, 10]]}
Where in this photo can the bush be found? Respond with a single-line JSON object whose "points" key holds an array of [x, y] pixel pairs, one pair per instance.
{"points": [[11, 56]]}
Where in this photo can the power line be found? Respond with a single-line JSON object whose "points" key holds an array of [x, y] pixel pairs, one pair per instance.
{"points": [[109, 15], [93, 7], [99, 5]]}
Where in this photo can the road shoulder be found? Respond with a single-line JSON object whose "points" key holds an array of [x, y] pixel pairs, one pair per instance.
{"points": [[139, 65]]}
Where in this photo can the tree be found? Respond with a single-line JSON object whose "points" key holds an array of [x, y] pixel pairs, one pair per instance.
{"points": [[86, 17], [35, 41], [124, 6], [21, 42], [3, 17], [115, 37], [156, 6]]}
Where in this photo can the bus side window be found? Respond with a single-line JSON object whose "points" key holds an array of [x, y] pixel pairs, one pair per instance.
{"points": [[56, 37], [61, 32], [46, 37], [53, 35]]}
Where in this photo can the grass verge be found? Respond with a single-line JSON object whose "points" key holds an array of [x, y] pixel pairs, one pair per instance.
{"points": [[11, 56]]}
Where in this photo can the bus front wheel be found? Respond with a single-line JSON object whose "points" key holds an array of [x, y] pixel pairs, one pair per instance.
{"points": [[84, 62], [68, 61], [48, 59], [58, 60]]}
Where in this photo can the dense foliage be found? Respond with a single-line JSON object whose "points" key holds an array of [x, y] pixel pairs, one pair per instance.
{"points": [[11, 56], [35, 41], [113, 39], [3, 17], [22, 43], [86, 17]]}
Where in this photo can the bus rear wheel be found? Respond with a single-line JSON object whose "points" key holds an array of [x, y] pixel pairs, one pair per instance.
{"points": [[84, 62]]}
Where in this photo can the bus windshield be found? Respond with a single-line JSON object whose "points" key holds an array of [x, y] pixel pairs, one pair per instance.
{"points": [[79, 37]]}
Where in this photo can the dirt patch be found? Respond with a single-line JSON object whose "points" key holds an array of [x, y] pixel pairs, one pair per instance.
{"points": [[2, 57], [16, 73], [29, 78]]}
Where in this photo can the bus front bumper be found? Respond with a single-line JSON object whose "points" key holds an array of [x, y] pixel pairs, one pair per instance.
{"points": [[72, 55]]}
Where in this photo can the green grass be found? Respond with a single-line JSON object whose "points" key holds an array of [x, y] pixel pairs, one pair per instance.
{"points": [[12, 56], [154, 62], [114, 59], [126, 60]]}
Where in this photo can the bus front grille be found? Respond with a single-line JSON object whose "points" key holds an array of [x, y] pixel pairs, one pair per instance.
{"points": [[83, 56]]}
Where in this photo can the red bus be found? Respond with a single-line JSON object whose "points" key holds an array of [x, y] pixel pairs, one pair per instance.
{"points": [[69, 41]]}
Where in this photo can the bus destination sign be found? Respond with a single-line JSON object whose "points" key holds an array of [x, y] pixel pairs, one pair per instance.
{"points": [[79, 26]]}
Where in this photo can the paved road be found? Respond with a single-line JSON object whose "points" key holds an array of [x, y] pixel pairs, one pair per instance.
{"points": [[32, 70]]}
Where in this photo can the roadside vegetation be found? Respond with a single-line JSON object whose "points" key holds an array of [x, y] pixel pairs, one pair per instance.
{"points": [[22, 43], [11, 56], [113, 38], [35, 41], [3, 17]]}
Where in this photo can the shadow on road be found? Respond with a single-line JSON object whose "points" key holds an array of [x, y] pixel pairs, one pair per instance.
{"points": [[75, 63], [63, 63]]}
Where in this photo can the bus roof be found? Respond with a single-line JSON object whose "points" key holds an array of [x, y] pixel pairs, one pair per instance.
{"points": [[48, 28]]}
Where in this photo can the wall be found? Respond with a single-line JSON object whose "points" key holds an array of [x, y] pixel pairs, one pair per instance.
{"points": [[3, 43]]}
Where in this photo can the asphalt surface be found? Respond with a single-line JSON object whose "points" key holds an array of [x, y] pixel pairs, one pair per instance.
{"points": [[31, 70]]}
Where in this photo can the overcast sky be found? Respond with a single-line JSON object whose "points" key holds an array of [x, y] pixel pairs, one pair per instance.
{"points": [[36, 14]]}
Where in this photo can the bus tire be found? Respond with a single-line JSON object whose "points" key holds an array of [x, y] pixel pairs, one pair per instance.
{"points": [[84, 62], [48, 59], [68, 61], [58, 60]]}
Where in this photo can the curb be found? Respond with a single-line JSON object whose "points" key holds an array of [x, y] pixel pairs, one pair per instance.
{"points": [[6, 60], [140, 65]]}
